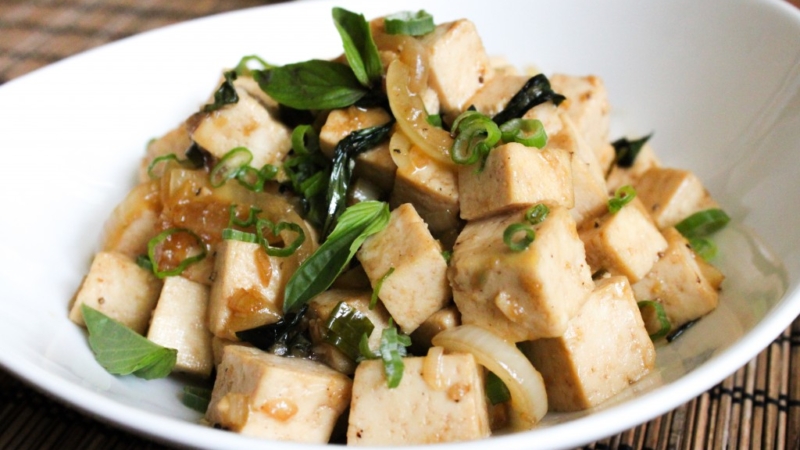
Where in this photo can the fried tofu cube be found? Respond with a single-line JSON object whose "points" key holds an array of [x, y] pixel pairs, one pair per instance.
{"points": [[342, 122], [605, 348], [587, 106], [117, 287], [443, 319], [621, 176], [440, 399], [515, 176], [458, 64], [520, 295], [433, 190], [134, 221], [678, 281], [248, 288], [179, 322], [623, 243], [246, 123], [418, 285], [267, 396], [377, 166], [176, 141], [671, 195]]}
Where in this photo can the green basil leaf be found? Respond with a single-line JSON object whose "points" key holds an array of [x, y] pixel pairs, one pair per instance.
{"points": [[535, 92], [196, 398], [345, 327], [319, 270], [359, 46], [225, 95], [122, 351], [626, 151], [313, 84], [393, 349]]}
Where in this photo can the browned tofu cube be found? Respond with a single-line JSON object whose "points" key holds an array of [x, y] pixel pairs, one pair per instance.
{"points": [[176, 141], [377, 166], [291, 399], [117, 287], [515, 176], [520, 295], [678, 281], [248, 288], [623, 243], [134, 221], [671, 195], [342, 122], [179, 322], [605, 348], [418, 285], [420, 410]]}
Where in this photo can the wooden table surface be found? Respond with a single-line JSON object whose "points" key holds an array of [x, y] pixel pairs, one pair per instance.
{"points": [[757, 407]]}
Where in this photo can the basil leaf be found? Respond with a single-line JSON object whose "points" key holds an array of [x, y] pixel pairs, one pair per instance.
{"points": [[318, 272], [626, 151], [392, 350], [535, 92], [344, 162], [313, 84], [122, 351], [225, 95], [359, 46], [280, 332], [345, 326], [196, 398], [242, 68]]}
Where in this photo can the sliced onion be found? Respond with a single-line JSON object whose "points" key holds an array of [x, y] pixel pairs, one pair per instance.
{"points": [[409, 110], [524, 382], [399, 149]]}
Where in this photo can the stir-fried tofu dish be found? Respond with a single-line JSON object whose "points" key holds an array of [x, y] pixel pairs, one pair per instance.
{"points": [[412, 243]]}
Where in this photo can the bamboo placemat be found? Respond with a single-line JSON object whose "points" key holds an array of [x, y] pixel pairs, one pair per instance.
{"points": [[756, 407]]}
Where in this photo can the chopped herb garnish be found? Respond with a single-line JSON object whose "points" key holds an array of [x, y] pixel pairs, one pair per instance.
{"points": [[250, 178], [536, 91], [281, 332], [171, 157], [660, 317], [622, 196], [626, 151], [231, 234], [447, 254], [305, 140], [359, 46], [435, 120], [475, 135], [528, 132], [496, 391], [155, 244], [682, 329], [520, 244], [243, 68], [392, 350], [196, 398], [143, 261], [122, 351], [704, 247], [319, 270], [230, 165], [376, 292], [703, 223], [536, 214], [252, 216], [268, 172], [275, 230], [225, 95], [344, 162], [410, 23], [314, 84], [345, 326], [308, 172]]}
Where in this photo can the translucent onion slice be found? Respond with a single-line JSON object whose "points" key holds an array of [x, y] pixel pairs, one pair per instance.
{"points": [[399, 149], [524, 382], [408, 108]]}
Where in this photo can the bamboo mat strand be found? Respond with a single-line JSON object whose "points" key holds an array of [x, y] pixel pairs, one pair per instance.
{"points": [[757, 407]]}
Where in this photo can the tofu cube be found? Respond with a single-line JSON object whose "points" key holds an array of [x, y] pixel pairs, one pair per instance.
{"points": [[515, 176], [266, 396], [623, 243], [176, 141], [671, 195], [341, 122], [377, 166], [134, 221], [439, 399], [621, 176], [179, 322], [520, 295], [458, 64], [443, 319], [248, 288], [433, 190], [587, 106], [605, 348], [678, 281], [246, 123], [418, 286], [117, 287]]}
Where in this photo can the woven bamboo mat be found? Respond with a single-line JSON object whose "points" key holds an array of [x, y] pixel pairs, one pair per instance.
{"points": [[757, 407]]}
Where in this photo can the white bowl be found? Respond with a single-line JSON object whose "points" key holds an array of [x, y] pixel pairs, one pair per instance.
{"points": [[718, 82]]}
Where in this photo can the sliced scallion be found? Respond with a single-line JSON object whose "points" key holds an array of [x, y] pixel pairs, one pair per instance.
{"points": [[252, 216], [165, 236], [275, 230], [703, 223], [376, 292], [475, 135], [410, 23], [345, 326], [392, 350], [230, 165], [250, 178], [622, 196], [304, 140], [528, 132], [519, 244], [269, 172], [231, 234], [151, 169], [536, 214], [704, 247], [660, 316]]}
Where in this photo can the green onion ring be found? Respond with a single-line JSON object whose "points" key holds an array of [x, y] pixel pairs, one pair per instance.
{"points": [[661, 315], [250, 178], [536, 214], [409, 23], [252, 216], [232, 234], [163, 236], [229, 166], [301, 135], [269, 172], [528, 132], [703, 247], [522, 244], [275, 230], [622, 196], [476, 135], [162, 158], [703, 223]]}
